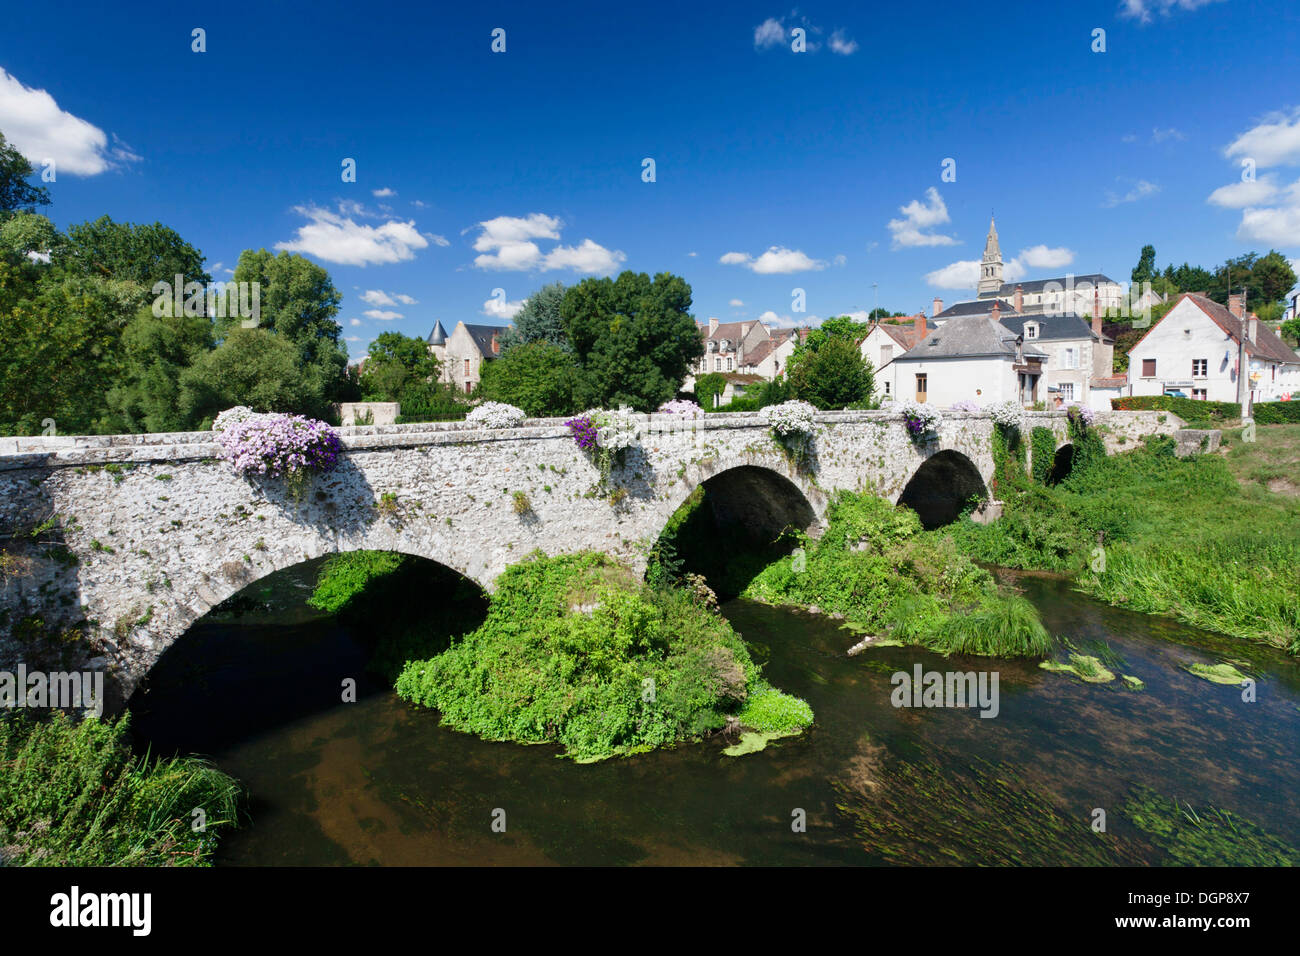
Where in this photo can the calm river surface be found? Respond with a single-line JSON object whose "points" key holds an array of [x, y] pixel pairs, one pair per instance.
{"points": [[380, 782]]}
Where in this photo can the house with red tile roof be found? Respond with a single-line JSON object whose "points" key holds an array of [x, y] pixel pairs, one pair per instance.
{"points": [[1194, 349]]}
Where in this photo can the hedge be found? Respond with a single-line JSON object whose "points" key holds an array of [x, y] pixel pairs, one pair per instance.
{"points": [[1190, 409], [1042, 445]]}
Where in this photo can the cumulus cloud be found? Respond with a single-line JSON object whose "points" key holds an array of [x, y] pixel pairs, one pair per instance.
{"points": [[384, 193], [735, 303], [1242, 194], [843, 44], [1273, 142], [382, 315], [1270, 212], [501, 309], [777, 31], [919, 216], [35, 125], [506, 243], [1144, 11], [1044, 257], [770, 318], [354, 322], [1140, 190], [778, 260], [956, 275], [379, 297], [337, 237], [768, 34], [1279, 225]]}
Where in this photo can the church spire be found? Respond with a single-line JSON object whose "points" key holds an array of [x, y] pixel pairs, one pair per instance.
{"points": [[991, 268]]}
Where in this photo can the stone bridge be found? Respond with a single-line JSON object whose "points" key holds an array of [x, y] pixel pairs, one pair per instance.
{"points": [[129, 539]]}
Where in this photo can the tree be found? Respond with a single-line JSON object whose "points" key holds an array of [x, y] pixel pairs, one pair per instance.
{"points": [[1145, 270], [835, 375], [1272, 278], [24, 234], [540, 377], [157, 351], [395, 362], [707, 386], [144, 254], [540, 320], [882, 313], [16, 193], [634, 337], [298, 302], [252, 367]]}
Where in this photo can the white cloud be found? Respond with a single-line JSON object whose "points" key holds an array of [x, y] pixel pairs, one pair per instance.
{"points": [[354, 322], [336, 237], [382, 315], [352, 338], [840, 259], [436, 239], [1140, 190], [843, 44], [1144, 10], [35, 125], [1043, 257], [770, 318], [418, 203], [957, 275], [380, 297], [384, 193], [506, 243], [1274, 142], [1242, 194], [768, 34], [692, 255], [778, 260], [500, 309], [1159, 135], [919, 216], [1279, 225], [735, 303]]}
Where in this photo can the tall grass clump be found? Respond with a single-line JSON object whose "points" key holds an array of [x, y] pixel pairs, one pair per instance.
{"points": [[73, 794], [875, 565], [576, 651]]}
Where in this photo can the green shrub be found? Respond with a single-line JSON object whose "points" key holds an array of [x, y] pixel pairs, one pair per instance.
{"points": [[1184, 408], [1042, 442], [1276, 413], [770, 711]]}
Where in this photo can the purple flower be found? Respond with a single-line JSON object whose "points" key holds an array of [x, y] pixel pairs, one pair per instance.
{"points": [[280, 445]]}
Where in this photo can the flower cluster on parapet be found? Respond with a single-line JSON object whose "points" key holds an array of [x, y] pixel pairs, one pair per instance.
{"points": [[276, 445], [496, 415]]}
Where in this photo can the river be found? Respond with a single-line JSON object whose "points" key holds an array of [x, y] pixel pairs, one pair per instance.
{"points": [[379, 781]]}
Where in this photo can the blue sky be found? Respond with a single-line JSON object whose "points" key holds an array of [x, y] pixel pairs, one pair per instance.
{"points": [[774, 170]]}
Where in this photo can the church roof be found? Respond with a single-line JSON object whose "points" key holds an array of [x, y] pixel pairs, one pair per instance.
{"points": [[978, 307], [1038, 285]]}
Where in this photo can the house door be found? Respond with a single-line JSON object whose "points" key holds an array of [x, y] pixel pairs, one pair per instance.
{"points": [[921, 386]]}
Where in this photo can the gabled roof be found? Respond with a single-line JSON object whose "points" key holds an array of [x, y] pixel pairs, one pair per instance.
{"points": [[969, 336], [1267, 345], [978, 307], [1066, 325], [482, 336], [904, 335]]}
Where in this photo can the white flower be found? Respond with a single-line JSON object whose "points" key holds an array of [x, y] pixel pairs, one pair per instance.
{"points": [[790, 417], [230, 416], [1008, 414], [496, 415], [920, 417]]}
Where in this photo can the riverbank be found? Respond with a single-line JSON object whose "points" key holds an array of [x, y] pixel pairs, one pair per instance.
{"points": [[1212, 540]]}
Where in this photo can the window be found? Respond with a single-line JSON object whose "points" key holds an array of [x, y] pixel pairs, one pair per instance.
{"points": [[886, 388], [1067, 391], [1148, 368], [1069, 358], [467, 368], [922, 384], [1031, 330], [1200, 394], [717, 365], [886, 354], [1200, 368], [728, 364]]}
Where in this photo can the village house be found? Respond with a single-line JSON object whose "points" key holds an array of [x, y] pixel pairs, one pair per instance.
{"points": [[744, 352], [885, 341], [969, 358], [1194, 351], [463, 353]]}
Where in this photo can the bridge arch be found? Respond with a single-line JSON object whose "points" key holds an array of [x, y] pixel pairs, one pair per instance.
{"points": [[1062, 464], [940, 488]]}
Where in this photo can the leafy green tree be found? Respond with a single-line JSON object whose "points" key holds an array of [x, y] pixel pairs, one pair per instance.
{"points": [[16, 193], [540, 320], [252, 367], [24, 233], [395, 362], [298, 302], [62, 338], [1145, 270], [882, 313], [707, 386], [634, 337], [835, 375], [540, 377], [1271, 278], [157, 351], [144, 254]]}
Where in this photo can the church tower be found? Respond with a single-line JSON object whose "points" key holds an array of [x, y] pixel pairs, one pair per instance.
{"points": [[991, 268]]}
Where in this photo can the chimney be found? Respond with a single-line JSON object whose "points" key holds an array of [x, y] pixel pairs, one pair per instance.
{"points": [[1096, 324], [1235, 305], [1096, 303], [1251, 327], [995, 309], [713, 325], [919, 329], [938, 306], [1020, 298]]}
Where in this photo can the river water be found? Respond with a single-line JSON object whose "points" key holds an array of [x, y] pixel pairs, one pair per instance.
{"points": [[379, 781]]}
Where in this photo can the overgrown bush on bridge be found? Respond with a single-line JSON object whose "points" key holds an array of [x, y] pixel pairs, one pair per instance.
{"points": [[1042, 450]]}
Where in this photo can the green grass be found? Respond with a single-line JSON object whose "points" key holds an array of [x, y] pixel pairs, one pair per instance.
{"points": [[576, 651], [875, 565], [1194, 539], [72, 794], [769, 711]]}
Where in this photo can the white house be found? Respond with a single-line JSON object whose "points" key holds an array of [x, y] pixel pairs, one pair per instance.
{"points": [[886, 341], [1194, 350], [970, 358]]}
